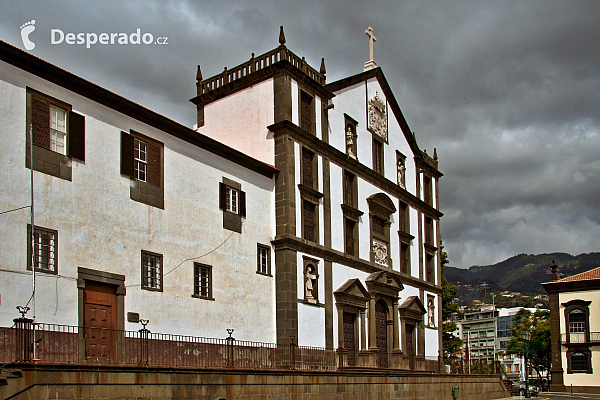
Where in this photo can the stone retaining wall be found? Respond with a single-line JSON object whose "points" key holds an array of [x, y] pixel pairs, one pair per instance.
{"points": [[100, 382]]}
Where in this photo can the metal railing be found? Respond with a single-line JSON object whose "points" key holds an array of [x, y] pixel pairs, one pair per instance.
{"points": [[50, 343], [580, 337], [70, 344]]}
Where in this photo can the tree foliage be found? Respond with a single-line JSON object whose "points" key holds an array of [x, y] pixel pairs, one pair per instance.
{"points": [[449, 291], [537, 326]]}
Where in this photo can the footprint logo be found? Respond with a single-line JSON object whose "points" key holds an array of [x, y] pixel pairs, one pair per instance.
{"points": [[26, 29]]}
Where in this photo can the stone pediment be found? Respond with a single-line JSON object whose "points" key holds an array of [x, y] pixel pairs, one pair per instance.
{"points": [[352, 292], [413, 308], [384, 282]]}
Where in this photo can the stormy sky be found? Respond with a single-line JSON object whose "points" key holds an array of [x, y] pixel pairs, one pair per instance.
{"points": [[507, 91]]}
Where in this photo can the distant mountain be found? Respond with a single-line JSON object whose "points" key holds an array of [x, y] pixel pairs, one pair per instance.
{"points": [[523, 272]]}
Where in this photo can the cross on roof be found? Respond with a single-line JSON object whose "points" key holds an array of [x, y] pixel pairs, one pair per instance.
{"points": [[372, 39]]}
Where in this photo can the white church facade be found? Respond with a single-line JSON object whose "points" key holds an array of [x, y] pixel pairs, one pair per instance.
{"points": [[296, 211], [356, 205]]}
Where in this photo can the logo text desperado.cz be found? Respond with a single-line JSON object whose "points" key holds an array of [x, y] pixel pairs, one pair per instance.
{"points": [[57, 36]]}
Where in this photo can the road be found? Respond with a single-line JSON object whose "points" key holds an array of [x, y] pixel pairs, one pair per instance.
{"points": [[566, 396]]}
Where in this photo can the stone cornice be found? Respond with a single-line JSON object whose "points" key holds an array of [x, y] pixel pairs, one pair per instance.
{"points": [[295, 243], [341, 159]]}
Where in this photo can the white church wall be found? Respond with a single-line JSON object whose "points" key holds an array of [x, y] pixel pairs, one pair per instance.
{"points": [[100, 227], [295, 110], [240, 121], [337, 216], [311, 317]]}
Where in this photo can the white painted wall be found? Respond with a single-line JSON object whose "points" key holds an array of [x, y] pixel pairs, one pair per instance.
{"points": [[581, 379], [101, 228], [311, 318], [240, 121]]}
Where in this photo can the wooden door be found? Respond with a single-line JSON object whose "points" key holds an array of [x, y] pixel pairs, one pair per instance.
{"points": [[349, 339], [100, 321], [410, 345], [381, 332]]}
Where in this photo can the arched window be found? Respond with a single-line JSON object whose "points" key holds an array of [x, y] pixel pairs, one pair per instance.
{"points": [[577, 321]]}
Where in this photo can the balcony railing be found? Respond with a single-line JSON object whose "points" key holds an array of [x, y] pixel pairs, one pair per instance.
{"points": [[582, 337]]}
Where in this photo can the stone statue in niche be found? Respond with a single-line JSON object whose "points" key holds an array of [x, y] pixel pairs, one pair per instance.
{"points": [[350, 141], [310, 282], [380, 251], [378, 117], [430, 313], [401, 171]]}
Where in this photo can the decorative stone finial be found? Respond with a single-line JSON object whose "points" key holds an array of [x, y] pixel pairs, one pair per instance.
{"points": [[199, 74], [322, 69], [281, 36], [553, 271], [435, 157], [372, 39]]}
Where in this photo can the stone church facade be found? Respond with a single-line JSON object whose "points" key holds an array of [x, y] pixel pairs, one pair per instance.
{"points": [[357, 264], [297, 211]]}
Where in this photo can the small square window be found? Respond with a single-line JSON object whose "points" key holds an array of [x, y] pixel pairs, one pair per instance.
{"points": [[202, 281], [152, 271], [263, 260], [45, 249]]}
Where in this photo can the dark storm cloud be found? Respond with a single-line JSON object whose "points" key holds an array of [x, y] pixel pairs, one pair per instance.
{"points": [[508, 92]]}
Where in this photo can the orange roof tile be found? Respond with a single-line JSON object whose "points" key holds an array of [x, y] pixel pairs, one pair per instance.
{"points": [[591, 274]]}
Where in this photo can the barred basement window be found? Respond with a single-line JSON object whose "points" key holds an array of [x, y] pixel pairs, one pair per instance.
{"points": [[202, 281], [45, 249], [579, 362], [152, 271]]}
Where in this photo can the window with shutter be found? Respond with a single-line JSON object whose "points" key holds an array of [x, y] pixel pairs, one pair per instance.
{"points": [[141, 161], [232, 201], [57, 134]]}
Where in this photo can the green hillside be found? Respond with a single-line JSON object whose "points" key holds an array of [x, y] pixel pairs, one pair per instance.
{"points": [[523, 272]]}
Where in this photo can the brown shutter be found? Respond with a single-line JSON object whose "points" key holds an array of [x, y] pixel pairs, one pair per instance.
{"points": [[154, 164], [242, 203], [76, 137], [127, 143], [40, 119], [222, 194]]}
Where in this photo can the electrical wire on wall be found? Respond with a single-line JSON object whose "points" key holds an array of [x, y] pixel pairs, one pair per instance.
{"points": [[195, 258]]}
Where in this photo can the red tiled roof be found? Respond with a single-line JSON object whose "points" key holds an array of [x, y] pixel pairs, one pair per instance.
{"points": [[591, 274]]}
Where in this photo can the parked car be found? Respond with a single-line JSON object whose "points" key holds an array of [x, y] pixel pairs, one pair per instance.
{"points": [[518, 388]]}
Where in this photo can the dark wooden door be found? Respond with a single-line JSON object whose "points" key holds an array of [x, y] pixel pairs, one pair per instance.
{"points": [[381, 332], [349, 339], [410, 345], [100, 321]]}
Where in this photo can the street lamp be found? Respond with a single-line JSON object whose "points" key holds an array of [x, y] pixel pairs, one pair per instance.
{"points": [[526, 337]]}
